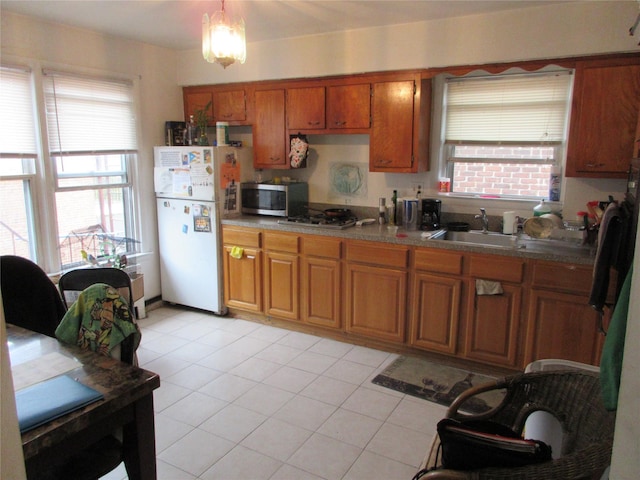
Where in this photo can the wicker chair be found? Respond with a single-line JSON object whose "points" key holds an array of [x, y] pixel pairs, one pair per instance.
{"points": [[573, 397]]}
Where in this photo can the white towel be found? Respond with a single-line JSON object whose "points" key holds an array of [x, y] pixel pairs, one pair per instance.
{"points": [[488, 287]]}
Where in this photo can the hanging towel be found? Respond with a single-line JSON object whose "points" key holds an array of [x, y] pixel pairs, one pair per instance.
{"points": [[612, 352], [609, 237], [236, 252], [488, 287], [99, 320]]}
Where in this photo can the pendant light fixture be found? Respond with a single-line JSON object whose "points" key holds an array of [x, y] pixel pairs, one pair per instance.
{"points": [[223, 40]]}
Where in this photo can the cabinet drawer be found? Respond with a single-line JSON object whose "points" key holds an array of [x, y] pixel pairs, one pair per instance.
{"points": [[378, 254], [239, 236], [438, 261], [492, 267], [321, 247], [562, 276], [281, 242]]}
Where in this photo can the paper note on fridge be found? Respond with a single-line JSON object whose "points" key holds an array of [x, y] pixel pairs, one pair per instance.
{"points": [[174, 181]]}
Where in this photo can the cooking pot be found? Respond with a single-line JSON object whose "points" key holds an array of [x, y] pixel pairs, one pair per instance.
{"points": [[334, 212], [458, 226]]}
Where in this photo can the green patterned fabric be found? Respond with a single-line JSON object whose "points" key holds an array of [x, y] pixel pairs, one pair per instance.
{"points": [[98, 320], [613, 350]]}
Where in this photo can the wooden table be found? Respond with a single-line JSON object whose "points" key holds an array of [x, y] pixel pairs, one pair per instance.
{"points": [[128, 403]]}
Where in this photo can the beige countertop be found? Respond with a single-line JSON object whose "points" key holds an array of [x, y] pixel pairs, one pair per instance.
{"points": [[527, 247]]}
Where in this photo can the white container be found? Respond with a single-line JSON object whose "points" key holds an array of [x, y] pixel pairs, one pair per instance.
{"points": [[222, 134], [509, 226]]}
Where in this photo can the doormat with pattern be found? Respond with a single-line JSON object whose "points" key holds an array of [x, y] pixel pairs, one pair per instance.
{"points": [[437, 383]]}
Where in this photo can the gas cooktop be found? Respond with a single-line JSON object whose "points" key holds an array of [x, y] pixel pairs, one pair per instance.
{"points": [[320, 221]]}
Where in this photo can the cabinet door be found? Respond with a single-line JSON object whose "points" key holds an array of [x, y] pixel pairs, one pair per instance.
{"points": [[243, 279], [435, 314], [562, 325], [375, 302], [492, 326], [391, 147], [305, 108], [197, 101], [604, 119], [321, 291], [349, 106], [229, 106], [281, 285], [269, 143]]}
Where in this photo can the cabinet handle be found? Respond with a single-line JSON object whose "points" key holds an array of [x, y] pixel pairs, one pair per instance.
{"points": [[251, 257], [227, 115], [383, 161], [314, 123], [595, 165], [338, 123], [274, 159]]}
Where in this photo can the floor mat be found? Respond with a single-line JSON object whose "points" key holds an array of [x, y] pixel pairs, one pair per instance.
{"points": [[437, 383]]}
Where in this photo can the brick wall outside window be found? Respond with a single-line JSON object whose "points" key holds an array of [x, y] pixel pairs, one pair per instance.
{"points": [[502, 178]]}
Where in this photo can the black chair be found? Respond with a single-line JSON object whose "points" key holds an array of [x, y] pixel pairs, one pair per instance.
{"points": [[30, 298], [106, 454], [81, 279], [572, 396], [78, 280]]}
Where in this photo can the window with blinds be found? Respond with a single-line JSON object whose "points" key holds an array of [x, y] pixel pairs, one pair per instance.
{"points": [[503, 134], [91, 134], [18, 155]]}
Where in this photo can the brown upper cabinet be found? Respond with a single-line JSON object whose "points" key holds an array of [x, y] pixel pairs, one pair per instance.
{"points": [[604, 119], [329, 108], [269, 143], [305, 108], [349, 106], [401, 110], [227, 105], [197, 100], [394, 108]]}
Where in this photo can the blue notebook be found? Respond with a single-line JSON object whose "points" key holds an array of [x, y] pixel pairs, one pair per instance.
{"points": [[45, 401]]}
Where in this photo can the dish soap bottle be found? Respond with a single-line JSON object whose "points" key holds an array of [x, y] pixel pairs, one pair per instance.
{"points": [[541, 209]]}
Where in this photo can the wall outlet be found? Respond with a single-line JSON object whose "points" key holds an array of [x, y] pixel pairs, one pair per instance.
{"points": [[415, 186]]}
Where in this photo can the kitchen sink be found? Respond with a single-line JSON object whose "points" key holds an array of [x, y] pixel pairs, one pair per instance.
{"points": [[477, 237]]}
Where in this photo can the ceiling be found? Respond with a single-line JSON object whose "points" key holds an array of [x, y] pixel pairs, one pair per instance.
{"points": [[177, 24]]}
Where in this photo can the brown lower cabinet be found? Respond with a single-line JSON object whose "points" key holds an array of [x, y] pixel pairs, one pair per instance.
{"points": [[321, 281], [560, 323], [242, 276], [282, 275], [376, 290], [416, 297]]}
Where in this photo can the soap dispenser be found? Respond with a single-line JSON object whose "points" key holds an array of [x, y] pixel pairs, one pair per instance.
{"points": [[541, 209]]}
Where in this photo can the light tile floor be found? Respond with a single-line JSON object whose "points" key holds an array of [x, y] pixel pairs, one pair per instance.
{"points": [[242, 400]]}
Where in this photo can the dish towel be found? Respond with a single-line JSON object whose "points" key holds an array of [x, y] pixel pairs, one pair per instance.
{"points": [[613, 350], [609, 235], [99, 320], [236, 252], [488, 287]]}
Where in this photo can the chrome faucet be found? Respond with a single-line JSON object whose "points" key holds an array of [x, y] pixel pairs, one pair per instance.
{"points": [[485, 220]]}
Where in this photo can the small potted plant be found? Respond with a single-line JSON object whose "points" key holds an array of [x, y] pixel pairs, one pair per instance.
{"points": [[201, 117]]}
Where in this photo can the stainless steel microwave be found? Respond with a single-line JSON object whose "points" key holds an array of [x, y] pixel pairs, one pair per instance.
{"points": [[278, 200]]}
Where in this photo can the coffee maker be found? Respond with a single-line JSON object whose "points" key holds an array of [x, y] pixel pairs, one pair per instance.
{"points": [[431, 209]]}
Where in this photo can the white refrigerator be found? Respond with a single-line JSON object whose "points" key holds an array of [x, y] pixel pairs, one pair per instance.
{"points": [[194, 187]]}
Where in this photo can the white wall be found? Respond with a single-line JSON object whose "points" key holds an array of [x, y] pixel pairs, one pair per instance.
{"points": [[38, 44], [551, 31]]}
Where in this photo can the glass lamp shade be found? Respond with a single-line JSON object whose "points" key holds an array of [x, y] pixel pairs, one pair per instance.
{"points": [[223, 42]]}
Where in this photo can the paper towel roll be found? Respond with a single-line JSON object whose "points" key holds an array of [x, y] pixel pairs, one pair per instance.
{"points": [[509, 223], [222, 133]]}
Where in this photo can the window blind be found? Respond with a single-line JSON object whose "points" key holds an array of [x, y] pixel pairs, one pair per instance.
{"points": [[517, 109], [17, 126], [89, 115]]}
